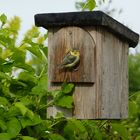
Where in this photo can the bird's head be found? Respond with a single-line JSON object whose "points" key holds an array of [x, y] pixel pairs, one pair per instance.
{"points": [[75, 52]]}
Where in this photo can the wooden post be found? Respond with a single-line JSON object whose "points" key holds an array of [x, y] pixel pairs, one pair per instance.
{"points": [[101, 81]]}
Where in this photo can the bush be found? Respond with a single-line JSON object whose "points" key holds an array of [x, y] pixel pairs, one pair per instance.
{"points": [[23, 95]]}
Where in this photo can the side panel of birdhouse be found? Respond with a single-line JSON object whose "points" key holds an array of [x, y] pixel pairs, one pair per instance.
{"points": [[114, 77], [112, 89]]}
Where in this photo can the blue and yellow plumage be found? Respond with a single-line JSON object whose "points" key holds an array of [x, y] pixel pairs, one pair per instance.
{"points": [[71, 59]]}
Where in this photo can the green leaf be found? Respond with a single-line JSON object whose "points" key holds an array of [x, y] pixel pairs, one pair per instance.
{"points": [[23, 109], [27, 77], [37, 90], [42, 87], [4, 76], [46, 35], [59, 115], [34, 49], [3, 125], [13, 127], [5, 90], [43, 128], [45, 51], [25, 121], [7, 42], [121, 130], [65, 101], [18, 56], [133, 109], [3, 18], [98, 135], [13, 112], [137, 138], [0, 53], [5, 136], [7, 66], [27, 100], [43, 82], [134, 72], [14, 26], [25, 67], [74, 130], [137, 99], [56, 137], [28, 138], [55, 94], [32, 33], [90, 4], [67, 88], [5, 32], [4, 101]]}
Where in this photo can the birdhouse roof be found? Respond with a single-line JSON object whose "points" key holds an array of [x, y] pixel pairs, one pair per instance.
{"points": [[95, 18]]}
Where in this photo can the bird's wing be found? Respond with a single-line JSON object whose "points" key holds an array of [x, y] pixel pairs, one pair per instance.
{"points": [[68, 59]]}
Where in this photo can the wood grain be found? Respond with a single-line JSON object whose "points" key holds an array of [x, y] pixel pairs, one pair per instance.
{"points": [[114, 77], [65, 39], [87, 97], [111, 85], [107, 97]]}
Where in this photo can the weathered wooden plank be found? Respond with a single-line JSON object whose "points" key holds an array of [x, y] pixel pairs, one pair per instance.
{"points": [[52, 111], [114, 77], [124, 91], [96, 33], [85, 101], [65, 39]]}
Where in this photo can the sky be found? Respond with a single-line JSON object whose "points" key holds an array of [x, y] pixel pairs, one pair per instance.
{"points": [[26, 9]]}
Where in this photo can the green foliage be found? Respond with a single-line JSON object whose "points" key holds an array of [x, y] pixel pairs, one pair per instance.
{"points": [[27, 138], [56, 137], [134, 73], [5, 136], [103, 5], [3, 19], [24, 92], [65, 101], [23, 85], [90, 4], [87, 5], [120, 130], [13, 127], [74, 130]]}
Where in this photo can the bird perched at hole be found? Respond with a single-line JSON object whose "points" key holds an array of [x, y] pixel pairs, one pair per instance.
{"points": [[71, 59]]}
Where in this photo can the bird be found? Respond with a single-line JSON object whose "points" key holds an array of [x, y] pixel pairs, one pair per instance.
{"points": [[70, 60]]}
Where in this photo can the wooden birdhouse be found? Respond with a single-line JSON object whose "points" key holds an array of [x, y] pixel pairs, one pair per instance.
{"points": [[101, 77]]}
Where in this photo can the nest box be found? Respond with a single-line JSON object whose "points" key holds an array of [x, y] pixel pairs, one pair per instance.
{"points": [[101, 79]]}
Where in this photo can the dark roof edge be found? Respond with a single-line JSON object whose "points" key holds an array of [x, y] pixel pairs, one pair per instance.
{"points": [[87, 19], [123, 31]]}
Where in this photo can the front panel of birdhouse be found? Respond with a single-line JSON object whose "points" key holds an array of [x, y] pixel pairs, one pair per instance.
{"points": [[61, 41]]}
